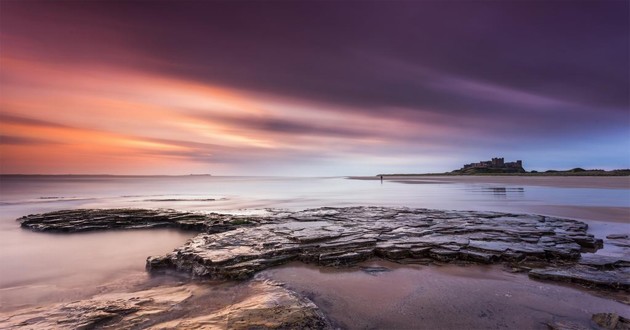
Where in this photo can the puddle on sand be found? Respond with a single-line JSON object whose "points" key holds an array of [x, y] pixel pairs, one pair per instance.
{"points": [[438, 297]]}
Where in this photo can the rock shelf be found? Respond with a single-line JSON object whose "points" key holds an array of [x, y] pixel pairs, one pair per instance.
{"points": [[265, 305], [338, 237], [237, 246], [81, 220]]}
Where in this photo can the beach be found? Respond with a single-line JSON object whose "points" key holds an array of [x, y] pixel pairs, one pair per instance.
{"points": [[91, 265], [224, 165], [440, 297], [597, 182]]}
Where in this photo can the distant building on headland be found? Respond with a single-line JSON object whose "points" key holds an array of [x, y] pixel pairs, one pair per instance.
{"points": [[496, 165]]}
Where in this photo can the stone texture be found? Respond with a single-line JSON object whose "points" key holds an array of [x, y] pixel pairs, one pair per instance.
{"points": [[567, 325], [126, 309], [235, 247], [587, 276], [591, 270], [271, 307], [611, 321], [106, 219], [621, 240], [345, 236], [265, 306]]}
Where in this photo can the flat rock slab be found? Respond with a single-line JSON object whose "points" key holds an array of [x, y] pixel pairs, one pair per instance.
{"points": [[235, 247], [611, 321], [265, 306], [345, 236], [608, 321], [82, 220], [618, 278]]}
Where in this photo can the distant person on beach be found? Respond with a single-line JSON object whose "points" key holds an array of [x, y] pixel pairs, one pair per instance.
{"points": [[381, 179]]}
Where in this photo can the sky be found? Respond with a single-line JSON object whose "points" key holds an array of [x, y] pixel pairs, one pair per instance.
{"points": [[311, 88]]}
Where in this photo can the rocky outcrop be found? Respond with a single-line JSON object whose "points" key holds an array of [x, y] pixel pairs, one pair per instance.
{"points": [[122, 309], [591, 270], [235, 247], [265, 305], [269, 307], [620, 240], [106, 219], [344, 236], [611, 321], [608, 321]]}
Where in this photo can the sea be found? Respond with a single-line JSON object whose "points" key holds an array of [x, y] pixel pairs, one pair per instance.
{"points": [[42, 268]]}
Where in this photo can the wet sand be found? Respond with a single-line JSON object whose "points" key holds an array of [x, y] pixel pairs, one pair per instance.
{"points": [[588, 213], [439, 297], [609, 214], [407, 297], [603, 182]]}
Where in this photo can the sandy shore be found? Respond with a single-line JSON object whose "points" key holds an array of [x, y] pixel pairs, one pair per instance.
{"points": [[608, 214], [619, 215], [608, 182]]}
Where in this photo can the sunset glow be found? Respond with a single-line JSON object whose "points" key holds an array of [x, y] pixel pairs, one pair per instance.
{"points": [[85, 90]]}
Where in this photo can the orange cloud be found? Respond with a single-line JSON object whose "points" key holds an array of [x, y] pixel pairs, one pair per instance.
{"points": [[60, 118]]}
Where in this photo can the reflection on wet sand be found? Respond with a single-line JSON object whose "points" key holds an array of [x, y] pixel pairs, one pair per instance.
{"points": [[601, 182], [443, 297], [501, 192], [43, 269]]}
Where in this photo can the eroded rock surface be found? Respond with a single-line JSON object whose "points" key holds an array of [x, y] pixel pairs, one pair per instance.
{"points": [[235, 247], [343, 236], [106, 219], [611, 321], [620, 240], [608, 321], [264, 305], [591, 270]]}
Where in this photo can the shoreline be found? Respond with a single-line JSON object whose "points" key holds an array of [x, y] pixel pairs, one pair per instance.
{"points": [[383, 294], [612, 214], [374, 292], [595, 182], [229, 246], [268, 287]]}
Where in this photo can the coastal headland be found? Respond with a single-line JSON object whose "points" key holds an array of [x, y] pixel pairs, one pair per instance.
{"points": [[597, 182], [498, 166]]}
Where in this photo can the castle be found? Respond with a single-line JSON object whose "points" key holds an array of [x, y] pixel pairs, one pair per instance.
{"points": [[496, 164]]}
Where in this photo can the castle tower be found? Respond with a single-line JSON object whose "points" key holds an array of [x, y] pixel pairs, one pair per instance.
{"points": [[498, 162]]}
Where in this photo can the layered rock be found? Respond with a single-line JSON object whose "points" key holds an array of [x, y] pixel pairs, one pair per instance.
{"points": [[608, 321], [235, 247], [620, 240], [611, 321], [106, 219], [265, 305], [591, 270], [344, 236]]}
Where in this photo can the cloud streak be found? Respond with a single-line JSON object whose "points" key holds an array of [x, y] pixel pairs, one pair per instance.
{"points": [[225, 86]]}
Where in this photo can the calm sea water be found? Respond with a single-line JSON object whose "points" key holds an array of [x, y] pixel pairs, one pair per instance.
{"points": [[39, 268]]}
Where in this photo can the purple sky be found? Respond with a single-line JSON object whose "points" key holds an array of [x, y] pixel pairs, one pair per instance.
{"points": [[312, 88]]}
